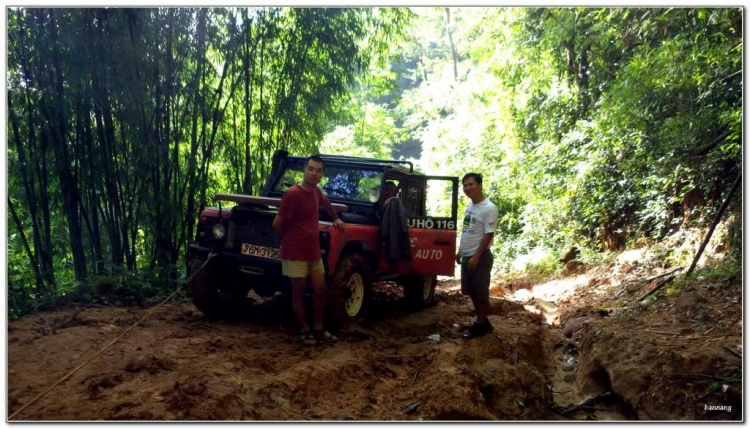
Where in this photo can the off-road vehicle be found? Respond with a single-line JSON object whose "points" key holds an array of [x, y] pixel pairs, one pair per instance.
{"points": [[246, 248]]}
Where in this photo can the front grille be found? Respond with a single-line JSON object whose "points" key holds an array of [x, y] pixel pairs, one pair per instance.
{"points": [[258, 231]]}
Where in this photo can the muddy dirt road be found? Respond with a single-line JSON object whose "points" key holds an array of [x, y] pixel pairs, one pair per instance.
{"points": [[177, 365]]}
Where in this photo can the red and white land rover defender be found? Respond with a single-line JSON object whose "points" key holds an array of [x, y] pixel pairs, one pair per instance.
{"points": [[247, 248]]}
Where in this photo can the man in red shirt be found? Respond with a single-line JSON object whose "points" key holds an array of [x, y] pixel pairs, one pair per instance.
{"points": [[297, 225]]}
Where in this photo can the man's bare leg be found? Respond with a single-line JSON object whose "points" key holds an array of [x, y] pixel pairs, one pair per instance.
{"points": [[318, 282], [299, 285]]}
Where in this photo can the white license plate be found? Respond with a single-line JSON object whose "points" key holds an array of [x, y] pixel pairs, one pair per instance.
{"points": [[258, 251]]}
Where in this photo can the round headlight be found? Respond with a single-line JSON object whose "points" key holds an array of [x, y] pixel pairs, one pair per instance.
{"points": [[218, 231]]}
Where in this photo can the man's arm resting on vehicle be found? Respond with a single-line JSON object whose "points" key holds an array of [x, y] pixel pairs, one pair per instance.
{"points": [[332, 212], [484, 245]]}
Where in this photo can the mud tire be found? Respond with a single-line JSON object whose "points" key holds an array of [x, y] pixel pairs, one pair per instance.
{"points": [[353, 269], [207, 297], [419, 291]]}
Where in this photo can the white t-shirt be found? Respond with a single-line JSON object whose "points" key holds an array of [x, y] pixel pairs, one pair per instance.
{"points": [[480, 219]]}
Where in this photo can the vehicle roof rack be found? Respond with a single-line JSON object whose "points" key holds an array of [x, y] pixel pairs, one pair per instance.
{"points": [[365, 160]]}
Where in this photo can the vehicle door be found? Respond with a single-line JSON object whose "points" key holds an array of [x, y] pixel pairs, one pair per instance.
{"points": [[431, 204]]}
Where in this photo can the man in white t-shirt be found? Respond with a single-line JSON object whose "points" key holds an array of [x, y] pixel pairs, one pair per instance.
{"points": [[474, 255]]}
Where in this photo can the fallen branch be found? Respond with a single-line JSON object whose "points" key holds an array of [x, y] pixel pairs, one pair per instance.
{"points": [[715, 143], [589, 402], [657, 287], [71, 318], [713, 225], [46, 331], [87, 305], [398, 356], [735, 353], [736, 73], [201, 326], [691, 338], [593, 408], [698, 375], [661, 332], [357, 329], [661, 275]]}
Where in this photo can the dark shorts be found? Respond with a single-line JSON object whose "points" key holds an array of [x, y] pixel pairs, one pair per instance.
{"points": [[476, 283]]}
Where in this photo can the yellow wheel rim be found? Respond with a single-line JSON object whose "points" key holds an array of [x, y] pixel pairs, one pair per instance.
{"points": [[426, 288], [355, 294]]}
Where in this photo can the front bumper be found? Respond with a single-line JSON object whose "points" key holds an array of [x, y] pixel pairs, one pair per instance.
{"points": [[263, 275]]}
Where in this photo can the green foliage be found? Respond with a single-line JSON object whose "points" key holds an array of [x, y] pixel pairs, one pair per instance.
{"points": [[114, 287], [544, 266], [729, 270], [592, 125], [680, 256], [591, 256]]}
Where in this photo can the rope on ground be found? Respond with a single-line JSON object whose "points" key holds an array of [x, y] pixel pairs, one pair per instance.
{"points": [[64, 378]]}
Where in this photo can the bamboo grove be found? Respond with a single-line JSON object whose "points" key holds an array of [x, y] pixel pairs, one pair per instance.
{"points": [[121, 122]]}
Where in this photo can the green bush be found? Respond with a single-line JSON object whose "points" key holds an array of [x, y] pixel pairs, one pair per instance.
{"points": [[545, 266]]}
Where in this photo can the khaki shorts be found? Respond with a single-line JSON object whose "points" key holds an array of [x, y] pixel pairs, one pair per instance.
{"points": [[301, 269]]}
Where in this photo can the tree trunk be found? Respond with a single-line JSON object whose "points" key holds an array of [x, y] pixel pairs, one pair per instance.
{"points": [[449, 30], [38, 165], [32, 258], [30, 196], [247, 182], [191, 176], [93, 204], [68, 181]]}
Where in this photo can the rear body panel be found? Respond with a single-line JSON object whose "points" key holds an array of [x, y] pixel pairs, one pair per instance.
{"points": [[432, 253]]}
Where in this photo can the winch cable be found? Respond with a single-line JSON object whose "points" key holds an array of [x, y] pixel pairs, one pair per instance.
{"points": [[64, 378]]}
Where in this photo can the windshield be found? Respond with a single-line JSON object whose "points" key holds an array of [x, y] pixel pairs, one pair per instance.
{"points": [[345, 183]]}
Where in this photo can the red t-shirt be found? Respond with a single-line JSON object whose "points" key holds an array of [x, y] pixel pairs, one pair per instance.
{"points": [[299, 209]]}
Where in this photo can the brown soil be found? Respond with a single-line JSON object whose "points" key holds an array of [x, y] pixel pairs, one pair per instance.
{"points": [[671, 359], [176, 365], [630, 361], [676, 358]]}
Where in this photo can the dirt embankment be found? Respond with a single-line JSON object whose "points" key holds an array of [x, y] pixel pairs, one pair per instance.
{"points": [[675, 356]]}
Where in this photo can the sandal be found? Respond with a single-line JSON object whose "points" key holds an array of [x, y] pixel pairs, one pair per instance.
{"points": [[324, 336], [308, 338]]}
